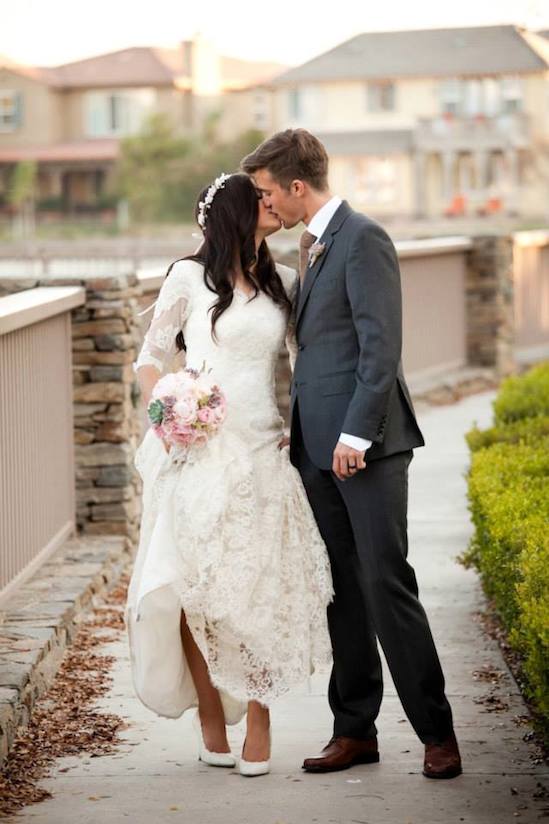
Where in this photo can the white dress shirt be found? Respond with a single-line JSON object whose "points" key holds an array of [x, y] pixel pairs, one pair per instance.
{"points": [[317, 227]]}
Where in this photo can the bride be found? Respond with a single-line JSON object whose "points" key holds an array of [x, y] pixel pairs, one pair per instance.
{"points": [[226, 606]]}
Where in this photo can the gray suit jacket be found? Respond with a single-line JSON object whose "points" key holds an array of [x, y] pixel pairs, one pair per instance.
{"points": [[348, 373]]}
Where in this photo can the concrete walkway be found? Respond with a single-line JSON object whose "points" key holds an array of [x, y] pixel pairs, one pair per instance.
{"points": [[156, 778]]}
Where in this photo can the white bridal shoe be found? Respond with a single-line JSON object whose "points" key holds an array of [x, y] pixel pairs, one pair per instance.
{"points": [[251, 768], [214, 759]]}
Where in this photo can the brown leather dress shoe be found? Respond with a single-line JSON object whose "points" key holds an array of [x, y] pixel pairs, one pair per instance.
{"points": [[341, 753], [442, 760]]}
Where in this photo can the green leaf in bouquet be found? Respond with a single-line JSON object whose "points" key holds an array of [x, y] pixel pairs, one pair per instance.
{"points": [[156, 411]]}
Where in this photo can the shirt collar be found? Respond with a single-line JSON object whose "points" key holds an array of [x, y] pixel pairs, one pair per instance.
{"points": [[321, 219]]}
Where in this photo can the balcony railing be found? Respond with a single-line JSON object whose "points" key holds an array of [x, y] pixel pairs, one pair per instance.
{"points": [[452, 132]]}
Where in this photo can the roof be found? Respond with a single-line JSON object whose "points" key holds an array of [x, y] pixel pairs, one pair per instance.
{"points": [[78, 150], [138, 66], [370, 141], [32, 72], [143, 66], [428, 52]]}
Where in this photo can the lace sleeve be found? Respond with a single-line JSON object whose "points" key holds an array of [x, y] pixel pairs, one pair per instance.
{"points": [[171, 311], [290, 281]]}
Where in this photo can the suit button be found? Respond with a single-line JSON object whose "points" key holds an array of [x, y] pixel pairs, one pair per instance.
{"points": [[301, 347]]}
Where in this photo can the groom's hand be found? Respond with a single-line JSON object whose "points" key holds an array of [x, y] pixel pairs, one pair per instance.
{"points": [[347, 461]]}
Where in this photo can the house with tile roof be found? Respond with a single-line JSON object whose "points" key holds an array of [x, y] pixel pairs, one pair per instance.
{"points": [[71, 118], [429, 122]]}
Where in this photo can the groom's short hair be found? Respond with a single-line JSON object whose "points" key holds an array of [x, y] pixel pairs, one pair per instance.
{"points": [[294, 154]]}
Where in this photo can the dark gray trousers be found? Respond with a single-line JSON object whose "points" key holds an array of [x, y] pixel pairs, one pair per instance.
{"points": [[363, 522]]}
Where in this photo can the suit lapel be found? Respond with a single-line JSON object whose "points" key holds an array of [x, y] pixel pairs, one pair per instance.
{"points": [[311, 274], [340, 215]]}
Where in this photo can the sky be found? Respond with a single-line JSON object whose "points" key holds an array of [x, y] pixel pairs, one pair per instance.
{"points": [[50, 32]]}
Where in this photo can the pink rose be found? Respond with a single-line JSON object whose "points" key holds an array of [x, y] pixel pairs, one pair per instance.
{"points": [[219, 412], [206, 415]]}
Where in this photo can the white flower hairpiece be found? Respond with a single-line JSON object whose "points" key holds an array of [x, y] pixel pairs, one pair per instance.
{"points": [[204, 205]]}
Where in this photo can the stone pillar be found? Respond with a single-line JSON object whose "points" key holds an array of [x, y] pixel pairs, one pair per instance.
{"points": [[464, 173], [447, 176], [481, 170], [489, 304], [420, 179], [106, 334], [512, 169]]}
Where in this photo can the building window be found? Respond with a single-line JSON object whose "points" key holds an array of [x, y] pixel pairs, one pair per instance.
{"points": [[376, 181], [474, 97], [10, 110], [511, 94], [261, 111], [295, 103], [492, 96], [451, 96], [381, 96], [117, 113]]}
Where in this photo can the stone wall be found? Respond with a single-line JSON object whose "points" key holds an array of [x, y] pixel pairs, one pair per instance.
{"points": [[107, 430], [489, 304]]}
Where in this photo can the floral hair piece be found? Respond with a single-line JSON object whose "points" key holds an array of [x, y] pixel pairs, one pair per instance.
{"points": [[204, 205]]}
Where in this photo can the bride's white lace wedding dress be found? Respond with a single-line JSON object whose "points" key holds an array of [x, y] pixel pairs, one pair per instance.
{"points": [[228, 536]]}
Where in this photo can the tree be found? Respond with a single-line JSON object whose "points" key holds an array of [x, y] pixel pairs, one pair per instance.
{"points": [[21, 195], [161, 174], [149, 163], [208, 158]]}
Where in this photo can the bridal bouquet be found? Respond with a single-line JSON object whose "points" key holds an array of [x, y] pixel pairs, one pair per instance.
{"points": [[186, 408]]}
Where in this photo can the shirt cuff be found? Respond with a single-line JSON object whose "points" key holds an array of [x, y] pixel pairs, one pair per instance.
{"points": [[362, 444]]}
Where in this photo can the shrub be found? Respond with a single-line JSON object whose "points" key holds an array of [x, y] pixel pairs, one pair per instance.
{"points": [[527, 430], [509, 503], [525, 396]]}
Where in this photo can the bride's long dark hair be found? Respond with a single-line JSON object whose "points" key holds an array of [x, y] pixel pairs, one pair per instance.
{"points": [[231, 222]]}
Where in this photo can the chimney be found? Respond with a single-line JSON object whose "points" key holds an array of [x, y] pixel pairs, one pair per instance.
{"points": [[202, 64]]}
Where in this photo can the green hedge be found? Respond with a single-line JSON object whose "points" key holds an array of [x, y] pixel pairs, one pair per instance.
{"points": [[526, 396], [528, 430], [509, 503]]}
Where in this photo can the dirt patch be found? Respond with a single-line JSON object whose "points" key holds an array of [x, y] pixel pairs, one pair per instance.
{"points": [[64, 721], [493, 627]]}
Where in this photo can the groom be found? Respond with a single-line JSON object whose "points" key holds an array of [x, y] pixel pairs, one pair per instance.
{"points": [[352, 435]]}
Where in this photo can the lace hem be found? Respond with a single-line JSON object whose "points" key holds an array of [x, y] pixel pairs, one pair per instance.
{"points": [[252, 572]]}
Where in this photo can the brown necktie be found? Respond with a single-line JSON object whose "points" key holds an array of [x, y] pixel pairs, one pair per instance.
{"points": [[305, 243]]}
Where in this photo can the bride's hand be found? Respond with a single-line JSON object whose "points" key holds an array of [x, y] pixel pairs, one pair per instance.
{"points": [[284, 442], [166, 446]]}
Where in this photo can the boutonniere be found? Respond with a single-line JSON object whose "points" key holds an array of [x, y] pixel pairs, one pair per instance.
{"points": [[315, 251]]}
